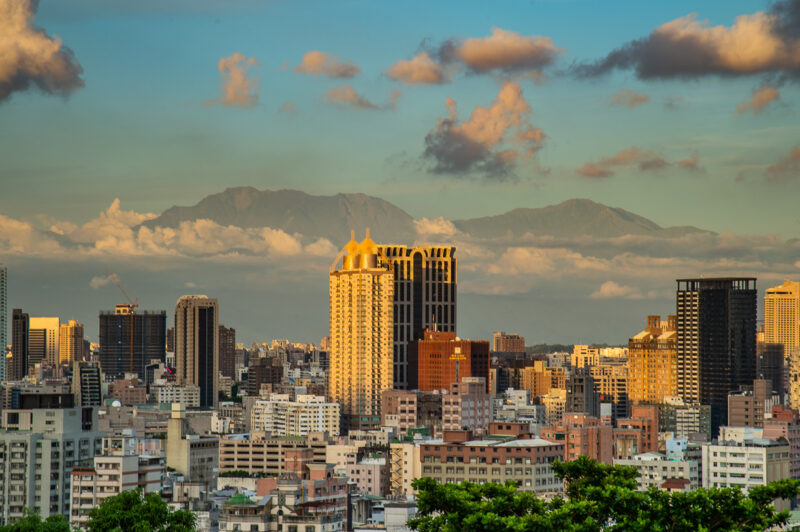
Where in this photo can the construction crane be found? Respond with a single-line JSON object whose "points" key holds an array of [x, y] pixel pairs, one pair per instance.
{"points": [[131, 311]]}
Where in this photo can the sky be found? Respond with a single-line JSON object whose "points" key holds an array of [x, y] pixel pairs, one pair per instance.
{"points": [[683, 112]]}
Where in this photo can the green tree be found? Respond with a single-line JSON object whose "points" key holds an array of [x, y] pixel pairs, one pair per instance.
{"points": [[597, 497], [132, 511], [33, 522]]}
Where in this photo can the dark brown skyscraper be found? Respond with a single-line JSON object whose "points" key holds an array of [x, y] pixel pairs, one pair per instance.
{"points": [[227, 351], [433, 360], [20, 331]]}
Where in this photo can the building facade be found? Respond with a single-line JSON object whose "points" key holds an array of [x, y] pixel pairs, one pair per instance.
{"points": [[439, 359], [197, 346], [425, 282], [20, 330], [43, 341], [652, 362], [280, 416], [3, 320], [361, 333], [130, 340], [507, 343], [227, 351], [70, 343], [716, 340]]}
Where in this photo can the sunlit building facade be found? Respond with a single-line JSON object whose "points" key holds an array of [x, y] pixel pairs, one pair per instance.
{"points": [[652, 362]]}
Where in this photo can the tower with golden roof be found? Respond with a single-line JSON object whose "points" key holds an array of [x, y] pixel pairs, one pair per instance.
{"points": [[361, 332]]}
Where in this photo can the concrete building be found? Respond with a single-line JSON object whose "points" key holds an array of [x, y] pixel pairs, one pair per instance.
{"points": [[195, 457], [279, 416], [582, 435], [43, 341], [716, 340], [70, 343], [684, 420], [38, 450], [439, 359], [611, 385], [655, 469], [361, 332], [750, 405], [522, 458], [412, 409], [507, 343], [130, 340], [129, 392], [119, 468], [258, 452], [744, 463], [404, 467], [555, 406], [370, 476], [652, 362], [188, 395], [467, 406], [425, 289], [197, 346]]}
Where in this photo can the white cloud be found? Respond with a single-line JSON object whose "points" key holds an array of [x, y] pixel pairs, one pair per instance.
{"points": [[612, 290], [99, 280]]}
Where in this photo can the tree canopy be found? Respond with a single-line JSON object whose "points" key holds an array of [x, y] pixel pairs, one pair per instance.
{"points": [[597, 497], [132, 511], [33, 522]]}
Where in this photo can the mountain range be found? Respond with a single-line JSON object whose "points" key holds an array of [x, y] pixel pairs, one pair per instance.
{"points": [[333, 217]]}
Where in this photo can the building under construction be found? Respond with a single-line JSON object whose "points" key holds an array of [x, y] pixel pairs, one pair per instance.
{"points": [[129, 340]]}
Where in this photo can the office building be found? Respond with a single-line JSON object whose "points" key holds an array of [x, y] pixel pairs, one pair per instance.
{"points": [[361, 332], [87, 383], [439, 359], [3, 320], [39, 448], [771, 366], [130, 340], [425, 282], [652, 362], [227, 351], [20, 330], [782, 316], [197, 346], [507, 343], [70, 343], [716, 340], [43, 342]]}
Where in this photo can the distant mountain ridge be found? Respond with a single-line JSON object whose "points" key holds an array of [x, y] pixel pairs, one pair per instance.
{"points": [[333, 217]]}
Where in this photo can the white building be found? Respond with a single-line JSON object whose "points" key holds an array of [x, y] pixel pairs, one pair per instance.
{"points": [[119, 469], [38, 449], [745, 463], [188, 395], [655, 469], [279, 416]]}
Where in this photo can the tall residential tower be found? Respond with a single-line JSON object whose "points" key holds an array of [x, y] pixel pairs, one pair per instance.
{"points": [[361, 332], [3, 319]]}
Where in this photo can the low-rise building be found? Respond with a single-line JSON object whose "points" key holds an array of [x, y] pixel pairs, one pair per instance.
{"points": [[745, 463], [188, 395], [258, 452], [468, 406], [281, 416], [655, 469], [193, 456]]}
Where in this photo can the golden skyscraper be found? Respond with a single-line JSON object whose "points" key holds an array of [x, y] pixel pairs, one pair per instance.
{"points": [[361, 332], [782, 326], [70, 342], [652, 362]]}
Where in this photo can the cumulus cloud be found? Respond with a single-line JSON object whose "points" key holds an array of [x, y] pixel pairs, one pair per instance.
{"points": [[629, 98], [434, 227], [763, 42], [420, 70], [490, 142], [762, 97], [31, 58], [318, 63], [99, 280], [785, 169], [239, 89], [612, 290], [504, 51], [644, 160]]}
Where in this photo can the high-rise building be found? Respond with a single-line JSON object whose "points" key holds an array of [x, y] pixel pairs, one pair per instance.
{"points": [[652, 362], [3, 319], [87, 383], [123, 351], [425, 281], [70, 342], [507, 343], [782, 316], [716, 340], [439, 359], [361, 331], [197, 346], [227, 351], [43, 341], [20, 330]]}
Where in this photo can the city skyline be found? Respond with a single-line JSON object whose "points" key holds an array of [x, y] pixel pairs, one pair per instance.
{"points": [[467, 111]]}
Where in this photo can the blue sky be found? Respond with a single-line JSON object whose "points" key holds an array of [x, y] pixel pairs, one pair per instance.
{"points": [[140, 128]]}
